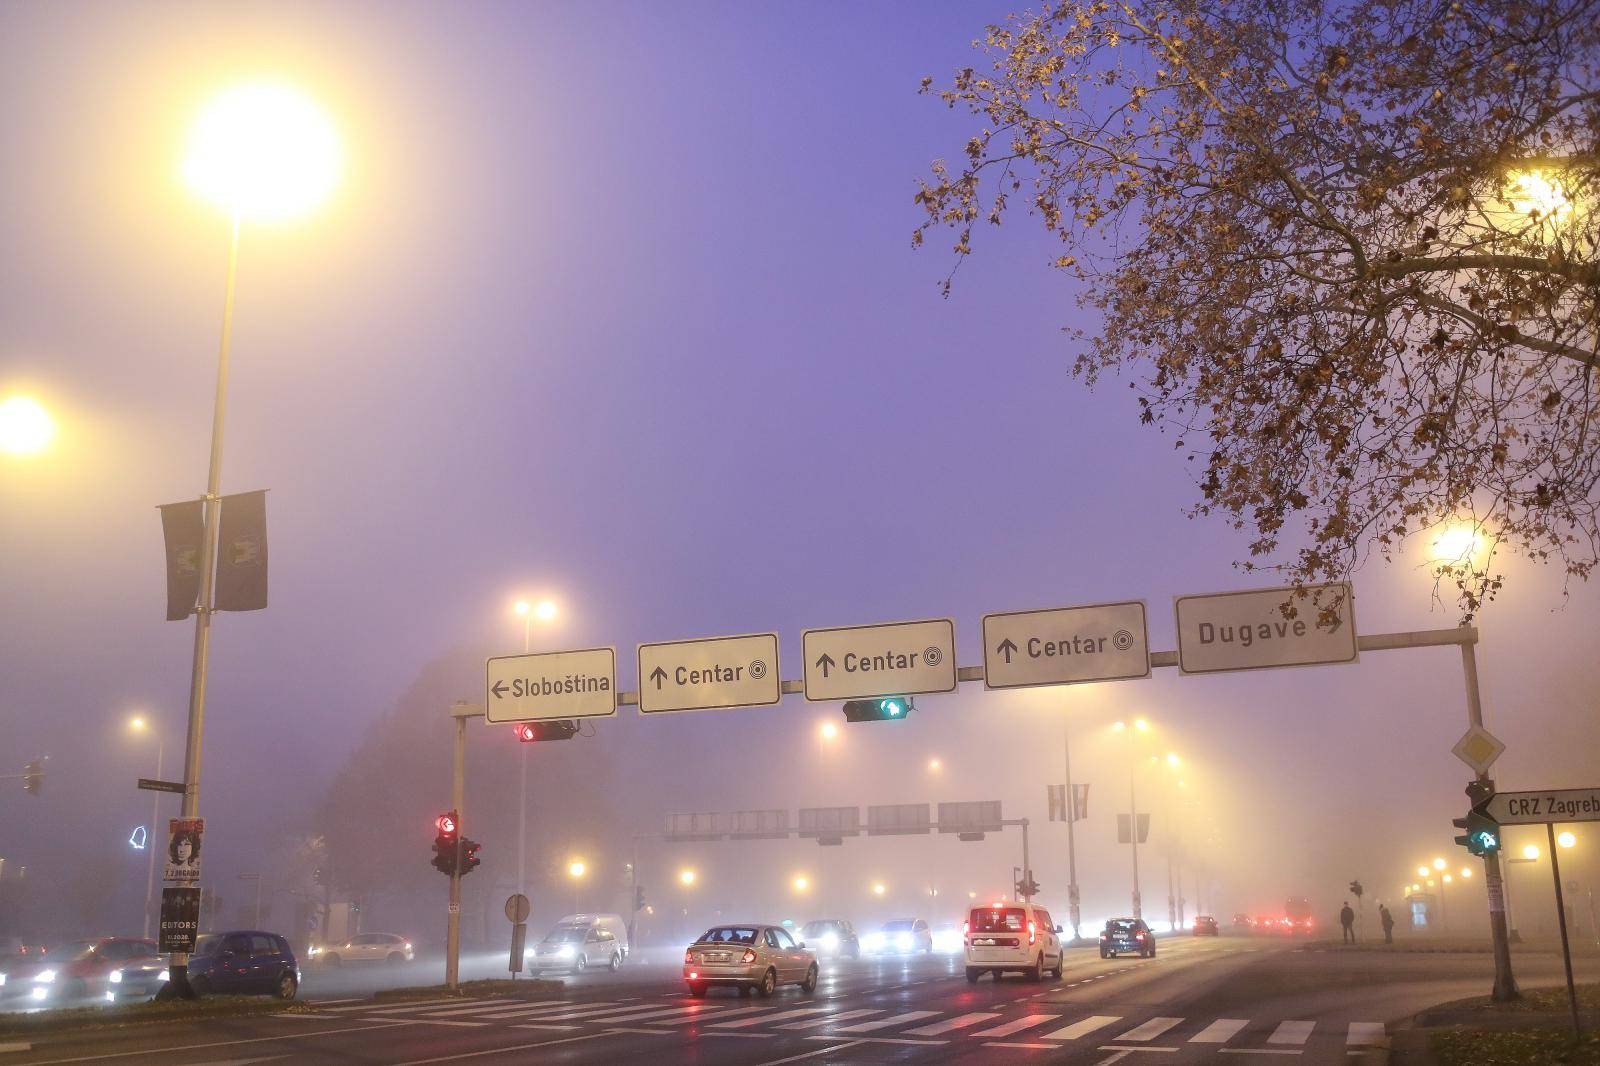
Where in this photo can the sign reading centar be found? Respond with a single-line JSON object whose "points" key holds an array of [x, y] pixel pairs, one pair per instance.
{"points": [[1265, 628], [893, 659]]}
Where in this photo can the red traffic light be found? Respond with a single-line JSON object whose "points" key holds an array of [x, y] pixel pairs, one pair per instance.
{"points": [[525, 731], [447, 823]]}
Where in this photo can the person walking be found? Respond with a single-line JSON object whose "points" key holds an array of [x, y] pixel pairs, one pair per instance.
{"points": [[1347, 918], [1387, 920]]}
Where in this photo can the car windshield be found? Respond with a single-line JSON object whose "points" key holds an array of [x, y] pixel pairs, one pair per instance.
{"points": [[818, 928], [1006, 920], [903, 926], [207, 945], [72, 951], [729, 934], [1120, 925], [566, 936]]}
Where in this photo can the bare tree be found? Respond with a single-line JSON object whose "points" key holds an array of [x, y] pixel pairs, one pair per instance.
{"points": [[1348, 251]]}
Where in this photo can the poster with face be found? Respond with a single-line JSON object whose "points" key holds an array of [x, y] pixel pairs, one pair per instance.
{"points": [[183, 849]]}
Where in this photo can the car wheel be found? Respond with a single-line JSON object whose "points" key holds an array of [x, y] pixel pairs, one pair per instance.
{"points": [[973, 974], [1104, 954], [696, 990], [580, 964], [616, 961], [1035, 973], [809, 985], [395, 959], [769, 983], [287, 986], [331, 960], [1056, 970]]}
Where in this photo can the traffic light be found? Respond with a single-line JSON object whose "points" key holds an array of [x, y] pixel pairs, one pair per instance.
{"points": [[558, 729], [33, 777], [883, 709], [638, 897], [1356, 889], [318, 877], [1482, 836], [444, 845], [1027, 888], [469, 856]]}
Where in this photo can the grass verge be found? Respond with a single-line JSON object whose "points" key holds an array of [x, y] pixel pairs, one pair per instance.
{"points": [[500, 986], [1515, 1047], [47, 1021]]}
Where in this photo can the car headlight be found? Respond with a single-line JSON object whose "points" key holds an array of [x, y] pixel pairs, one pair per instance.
{"points": [[166, 975], [903, 940], [566, 951], [830, 940], [408, 945], [313, 951], [44, 977], [39, 992], [115, 977], [2, 980]]}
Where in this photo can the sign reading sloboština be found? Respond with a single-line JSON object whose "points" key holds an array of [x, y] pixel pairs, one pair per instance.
{"points": [[1266, 628], [552, 685]]}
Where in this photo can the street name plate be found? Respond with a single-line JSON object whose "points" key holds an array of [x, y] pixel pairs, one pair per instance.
{"points": [[1554, 805], [151, 784], [1066, 645], [893, 659], [551, 685], [700, 675], [1248, 630]]}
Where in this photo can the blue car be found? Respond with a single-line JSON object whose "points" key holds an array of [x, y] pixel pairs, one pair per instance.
{"points": [[244, 964]]}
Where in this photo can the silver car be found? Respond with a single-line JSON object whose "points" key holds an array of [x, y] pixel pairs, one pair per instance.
{"points": [[576, 949], [759, 957]]}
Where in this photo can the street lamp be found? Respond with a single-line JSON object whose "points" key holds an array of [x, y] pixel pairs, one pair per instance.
{"points": [[1466, 873], [139, 725], [25, 426], [879, 888], [1422, 871], [686, 877], [1438, 864], [935, 765], [1530, 852], [575, 870], [827, 731], [545, 611], [1566, 839], [801, 883], [263, 152]]}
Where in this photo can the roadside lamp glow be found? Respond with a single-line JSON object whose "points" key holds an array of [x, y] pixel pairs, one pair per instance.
{"points": [[1566, 839], [25, 426], [1438, 864], [1530, 852], [1422, 871], [879, 889], [1466, 873], [686, 877], [577, 868], [264, 152]]}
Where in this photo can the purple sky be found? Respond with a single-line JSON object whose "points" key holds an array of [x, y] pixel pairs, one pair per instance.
{"points": [[617, 304]]}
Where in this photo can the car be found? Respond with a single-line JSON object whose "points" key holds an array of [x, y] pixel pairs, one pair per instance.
{"points": [[576, 948], [902, 936], [1205, 925], [611, 923], [754, 956], [244, 962], [831, 937], [389, 948], [1125, 935], [138, 982], [1242, 921], [1016, 937], [74, 972]]}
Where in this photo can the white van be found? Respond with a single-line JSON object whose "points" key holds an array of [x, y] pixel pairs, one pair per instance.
{"points": [[611, 923], [1019, 937]]}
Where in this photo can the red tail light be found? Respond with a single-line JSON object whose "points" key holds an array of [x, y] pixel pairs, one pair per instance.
{"points": [[748, 957], [688, 957], [1033, 931], [1138, 936], [966, 929]]}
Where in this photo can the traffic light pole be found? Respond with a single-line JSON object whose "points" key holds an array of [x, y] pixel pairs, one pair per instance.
{"points": [[458, 788], [1505, 984]]}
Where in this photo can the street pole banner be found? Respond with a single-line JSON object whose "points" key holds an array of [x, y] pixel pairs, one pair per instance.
{"points": [[1057, 796], [183, 849], [1080, 803], [1123, 835], [182, 529], [180, 919], [242, 553]]}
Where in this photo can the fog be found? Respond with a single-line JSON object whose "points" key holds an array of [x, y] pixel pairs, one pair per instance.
{"points": [[616, 305]]}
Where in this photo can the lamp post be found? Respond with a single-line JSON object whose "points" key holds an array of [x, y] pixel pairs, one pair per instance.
{"points": [[545, 611], [575, 870], [139, 725], [1141, 726], [262, 152]]}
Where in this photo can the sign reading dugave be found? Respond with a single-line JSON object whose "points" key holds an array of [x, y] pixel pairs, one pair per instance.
{"points": [[1266, 628]]}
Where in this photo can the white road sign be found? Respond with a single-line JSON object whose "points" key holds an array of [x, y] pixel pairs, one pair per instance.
{"points": [[1478, 748], [551, 685], [1249, 631], [1065, 645], [1556, 805], [893, 659], [695, 675]]}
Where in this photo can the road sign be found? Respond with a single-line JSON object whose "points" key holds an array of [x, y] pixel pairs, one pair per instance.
{"points": [[180, 918], [1478, 748], [893, 659], [552, 685], [1250, 631], [152, 785], [184, 836], [1065, 645], [699, 675], [516, 908], [1535, 808]]}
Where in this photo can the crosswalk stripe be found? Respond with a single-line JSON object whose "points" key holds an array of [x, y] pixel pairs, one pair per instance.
{"points": [[951, 1023], [1027, 1021], [500, 1005], [1366, 1033], [421, 1004], [1291, 1033], [884, 1023], [721, 1014], [634, 1014], [1082, 1028], [1219, 1031], [743, 1022], [842, 1016], [550, 1014], [1150, 1029]]}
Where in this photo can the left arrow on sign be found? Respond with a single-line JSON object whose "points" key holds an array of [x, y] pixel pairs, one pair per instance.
{"points": [[499, 690]]}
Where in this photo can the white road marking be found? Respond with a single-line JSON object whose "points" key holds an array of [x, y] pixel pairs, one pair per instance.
{"points": [[546, 1028], [1291, 1033], [378, 1008], [385, 1024], [830, 1049], [690, 1012], [1366, 1033], [747, 1036], [478, 1008], [554, 1014], [744, 1022], [1027, 1021], [1150, 1029], [1003, 1043], [842, 1016], [1082, 1028], [884, 1023], [505, 1050], [1258, 1051], [951, 1023], [1219, 1032], [886, 1040]]}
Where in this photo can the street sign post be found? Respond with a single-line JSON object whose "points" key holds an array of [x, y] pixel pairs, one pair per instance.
{"points": [[893, 659], [709, 674], [1066, 645], [152, 785], [1478, 748], [517, 914], [1249, 630], [551, 685], [1537, 808]]}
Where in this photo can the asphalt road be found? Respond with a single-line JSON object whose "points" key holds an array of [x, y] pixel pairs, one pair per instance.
{"points": [[1200, 1000]]}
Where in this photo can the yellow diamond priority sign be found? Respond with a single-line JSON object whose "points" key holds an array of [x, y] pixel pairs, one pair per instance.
{"points": [[1479, 748]]}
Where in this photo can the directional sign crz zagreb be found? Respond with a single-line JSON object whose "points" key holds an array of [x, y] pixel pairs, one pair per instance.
{"points": [[694, 675], [553, 685], [893, 659], [1067, 645], [1557, 805]]}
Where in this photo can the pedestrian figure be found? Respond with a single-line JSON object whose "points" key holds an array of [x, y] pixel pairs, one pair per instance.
{"points": [[1347, 918], [1388, 923]]}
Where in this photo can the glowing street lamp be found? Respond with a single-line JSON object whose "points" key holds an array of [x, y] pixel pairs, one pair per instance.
{"points": [[801, 883], [577, 868], [827, 731], [1566, 839], [1438, 864], [1530, 852], [686, 877], [25, 426], [935, 765], [879, 888], [1466, 873], [1422, 871]]}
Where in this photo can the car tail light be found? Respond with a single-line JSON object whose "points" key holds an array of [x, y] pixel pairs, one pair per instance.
{"points": [[966, 931], [688, 957], [748, 957], [694, 976], [1138, 936], [1033, 931], [1105, 936]]}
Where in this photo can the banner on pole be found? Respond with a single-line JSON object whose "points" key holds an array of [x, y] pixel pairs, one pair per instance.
{"points": [[183, 849], [180, 918], [1124, 837], [242, 553], [182, 529]]}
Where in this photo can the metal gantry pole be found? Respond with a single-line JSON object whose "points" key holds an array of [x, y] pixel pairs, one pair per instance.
{"points": [[522, 793], [1505, 984], [1072, 816], [202, 618]]}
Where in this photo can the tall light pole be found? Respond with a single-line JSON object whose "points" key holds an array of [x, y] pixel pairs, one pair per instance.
{"points": [[1139, 726], [545, 612], [262, 152], [139, 725], [1072, 817]]}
